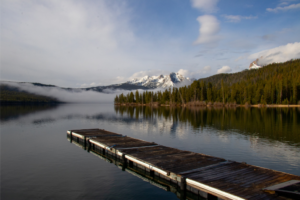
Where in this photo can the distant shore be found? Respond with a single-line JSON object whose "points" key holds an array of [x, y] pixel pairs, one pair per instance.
{"points": [[212, 105]]}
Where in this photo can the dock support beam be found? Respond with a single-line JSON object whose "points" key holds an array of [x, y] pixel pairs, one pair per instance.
{"points": [[89, 145], [70, 136], [151, 173], [84, 142], [124, 162], [183, 187], [130, 163]]}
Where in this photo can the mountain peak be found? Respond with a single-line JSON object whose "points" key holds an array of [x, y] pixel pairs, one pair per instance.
{"points": [[160, 81], [254, 65]]}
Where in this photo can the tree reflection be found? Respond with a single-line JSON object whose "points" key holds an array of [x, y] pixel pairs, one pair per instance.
{"points": [[281, 124]]}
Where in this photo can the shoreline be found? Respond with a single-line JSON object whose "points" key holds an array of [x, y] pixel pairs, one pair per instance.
{"points": [[212, 106]]}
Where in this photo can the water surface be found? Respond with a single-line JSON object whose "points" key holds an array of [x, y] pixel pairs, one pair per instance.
{"points": [[38, 162]]}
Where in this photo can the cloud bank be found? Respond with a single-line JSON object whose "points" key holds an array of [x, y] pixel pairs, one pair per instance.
{"points": [[195, 74], [278, 54], [75, 38]]}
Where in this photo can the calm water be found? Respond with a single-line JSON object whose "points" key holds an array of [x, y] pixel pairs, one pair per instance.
{"points": [[38, 162]]}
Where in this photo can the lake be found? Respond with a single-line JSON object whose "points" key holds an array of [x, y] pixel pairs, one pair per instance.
{"points": [[38, 162]]}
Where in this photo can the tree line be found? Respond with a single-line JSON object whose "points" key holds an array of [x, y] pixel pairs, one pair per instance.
{"points": [[276, 83]]}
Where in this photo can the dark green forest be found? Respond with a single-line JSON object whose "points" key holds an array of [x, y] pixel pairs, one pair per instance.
{"points": [[277, 83]]}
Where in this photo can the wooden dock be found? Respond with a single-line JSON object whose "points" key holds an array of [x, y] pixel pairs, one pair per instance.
{"points": [[206, 176]]}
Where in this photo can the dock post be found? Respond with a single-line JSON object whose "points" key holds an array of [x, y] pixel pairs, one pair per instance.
{"points": [[151, 173], [130, 163], [183, 187], [89, 145], [124, 162], [84, 142], [70, 136]]}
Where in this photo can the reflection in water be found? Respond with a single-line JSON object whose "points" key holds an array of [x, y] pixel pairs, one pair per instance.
{"points": [[144, 174], [33, 142], [12, 112], [279, 124], [273, 124]]}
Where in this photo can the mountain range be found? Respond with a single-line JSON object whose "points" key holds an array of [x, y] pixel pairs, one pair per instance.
{"points": [[43, 93], [145, 83], [162, 81], [11, 89]]}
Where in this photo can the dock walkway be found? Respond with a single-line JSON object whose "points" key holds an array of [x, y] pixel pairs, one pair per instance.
{"points": [[194, 172]]}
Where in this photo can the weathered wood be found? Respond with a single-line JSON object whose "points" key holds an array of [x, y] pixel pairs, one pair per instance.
{"points": [[212, 175]]}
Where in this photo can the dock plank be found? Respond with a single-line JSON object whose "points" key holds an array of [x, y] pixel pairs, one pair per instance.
{"points": [[122, 142], [225, 179], [94, 132]]}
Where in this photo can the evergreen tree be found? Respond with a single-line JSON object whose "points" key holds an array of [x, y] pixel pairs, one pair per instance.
{"points": [[137, 96]]}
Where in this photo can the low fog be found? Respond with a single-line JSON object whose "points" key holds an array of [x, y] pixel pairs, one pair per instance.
{"points": [[67, 96], [77, 96]]}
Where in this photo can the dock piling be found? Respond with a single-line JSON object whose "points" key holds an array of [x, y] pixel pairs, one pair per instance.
{"points": [[70, 136], [84, 142], [151, 173], [124, 162], [89, 145]]}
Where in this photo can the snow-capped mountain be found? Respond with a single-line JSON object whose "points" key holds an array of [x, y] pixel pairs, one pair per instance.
{"points": [[254, 65], [161, 81]]}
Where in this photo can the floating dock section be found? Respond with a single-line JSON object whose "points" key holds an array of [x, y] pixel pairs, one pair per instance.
{"points": [[202, 175]]}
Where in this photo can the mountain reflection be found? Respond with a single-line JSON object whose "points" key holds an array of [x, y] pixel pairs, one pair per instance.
{"points": [[280, 124]]}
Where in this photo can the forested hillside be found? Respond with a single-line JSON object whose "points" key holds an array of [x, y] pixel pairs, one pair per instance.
{"points": [[277, 83], [12, 95]]}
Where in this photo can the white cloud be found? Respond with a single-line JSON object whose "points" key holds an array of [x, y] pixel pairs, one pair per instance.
{"points": [[283, 3], [78, 39], [206, 69], [77, 43], [195, 74], [142, 74], [84, 85], [205, 5], [184, 72], [209, 27], [278, 54], [224, 69], [284, 8], [237, 18]]}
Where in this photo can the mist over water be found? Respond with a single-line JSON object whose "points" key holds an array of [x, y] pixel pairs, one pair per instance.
{"points": [[38, 162], [79, 95]]}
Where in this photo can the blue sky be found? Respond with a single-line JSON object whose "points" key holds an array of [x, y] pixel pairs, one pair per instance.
{"points": [[89, 43]]}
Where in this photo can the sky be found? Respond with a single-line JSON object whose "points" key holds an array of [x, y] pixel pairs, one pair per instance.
{"points": [[100, 42]]}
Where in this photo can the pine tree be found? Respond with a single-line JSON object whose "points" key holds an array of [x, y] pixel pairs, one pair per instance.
{"points": [[137, 96]]}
